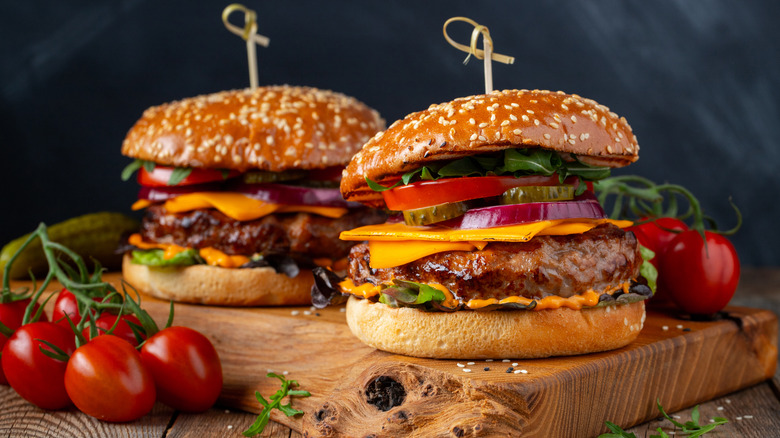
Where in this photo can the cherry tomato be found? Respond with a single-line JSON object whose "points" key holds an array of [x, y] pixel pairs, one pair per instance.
{"points": [[36, 377], [700, 280], [160, 176], [106, 379], [186, 368], [427, 193], [122, 329], [11, 315], [656, 236], [65, 304]]}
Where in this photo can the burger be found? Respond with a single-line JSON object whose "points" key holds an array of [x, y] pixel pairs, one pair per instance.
{"points": [[498, 247], [240, 191]]}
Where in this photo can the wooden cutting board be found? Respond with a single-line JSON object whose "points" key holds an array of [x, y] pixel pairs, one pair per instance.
{"points": [[680, 362]]}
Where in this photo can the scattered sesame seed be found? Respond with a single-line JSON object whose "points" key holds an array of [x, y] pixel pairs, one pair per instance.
{"points": [[461, 365], [230, 426], [488, 360], [470, 363], [739, 418], [728, 401], [747, 416], [285, 373], [676, 417], [466, 370], [515, 364], [665, 328], [294, 313], [679, 326], [506, 361], [720, 408], [307, 312], [342, 310], [227, 411]]}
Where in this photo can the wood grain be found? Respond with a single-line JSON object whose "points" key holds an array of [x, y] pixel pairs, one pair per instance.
{"points": [[557, 397]]}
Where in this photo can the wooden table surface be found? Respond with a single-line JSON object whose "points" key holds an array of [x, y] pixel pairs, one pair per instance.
{"points": [[752, 412]]}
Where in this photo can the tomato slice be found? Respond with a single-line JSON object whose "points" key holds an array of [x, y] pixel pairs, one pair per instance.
{"points": [[427, 193], [160, 176]]}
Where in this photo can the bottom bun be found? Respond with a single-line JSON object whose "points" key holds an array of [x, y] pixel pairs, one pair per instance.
{"points": [[204, 284], [494, 334]]}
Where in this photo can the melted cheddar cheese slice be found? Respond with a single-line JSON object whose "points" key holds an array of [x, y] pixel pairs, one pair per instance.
{"points": [[237, 206]]}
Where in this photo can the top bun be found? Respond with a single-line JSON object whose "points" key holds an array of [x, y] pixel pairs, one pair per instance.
{"points": [[472, 125], [271, 128]]}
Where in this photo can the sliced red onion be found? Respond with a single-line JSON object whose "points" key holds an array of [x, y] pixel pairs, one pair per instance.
{"points": [[158, 194], [295, 195], [505, 215]]}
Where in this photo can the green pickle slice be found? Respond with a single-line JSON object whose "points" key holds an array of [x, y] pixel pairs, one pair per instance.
{"points": [[524, 194], [436, 213]]}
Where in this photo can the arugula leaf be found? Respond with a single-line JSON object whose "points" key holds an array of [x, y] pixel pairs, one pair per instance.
{"points": [[518, 162], [130, 169], [178, 175], [275, 403], [379, 187], [154, 257], [617, 432], [647, 269]]}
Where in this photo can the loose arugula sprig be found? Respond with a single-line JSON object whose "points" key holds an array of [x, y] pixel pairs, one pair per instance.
{"points": [[516, 162], [690, 428], [275, 403]]}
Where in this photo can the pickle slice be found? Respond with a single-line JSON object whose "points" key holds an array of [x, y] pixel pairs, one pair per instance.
{"points": [[525, 194], [436, 213]]}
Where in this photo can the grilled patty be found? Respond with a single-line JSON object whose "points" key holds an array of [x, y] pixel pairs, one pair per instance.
{"points": [[547, 265], [285, 233]]}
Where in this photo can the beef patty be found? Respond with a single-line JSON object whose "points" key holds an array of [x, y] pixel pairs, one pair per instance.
{"points": [[284, 233], [547, 265]]}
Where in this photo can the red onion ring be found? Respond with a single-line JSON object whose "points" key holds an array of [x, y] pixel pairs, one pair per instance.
{"points": [[505, 215]]}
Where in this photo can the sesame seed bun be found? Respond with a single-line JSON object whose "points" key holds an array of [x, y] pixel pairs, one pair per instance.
{"points": [[483, 123], [494, 334], [272, 128], [212, 285]]}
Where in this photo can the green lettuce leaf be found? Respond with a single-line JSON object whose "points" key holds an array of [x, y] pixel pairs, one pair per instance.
{"points": [[154, 257], [647, 269]]}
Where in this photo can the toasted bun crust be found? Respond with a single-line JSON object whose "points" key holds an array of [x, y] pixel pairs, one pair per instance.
{"points": [[270, 128], [203, 284], [494, 334], [484, 123]]}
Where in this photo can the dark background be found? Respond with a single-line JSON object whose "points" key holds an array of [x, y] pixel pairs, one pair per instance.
{"points": [[699, 81]]}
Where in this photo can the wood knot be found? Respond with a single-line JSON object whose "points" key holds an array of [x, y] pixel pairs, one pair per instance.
{"points": [[385, 393], [326, 412], [458, 432]]}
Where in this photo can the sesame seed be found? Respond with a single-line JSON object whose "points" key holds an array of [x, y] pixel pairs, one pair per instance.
{"points": [[517, 132], [536, 122], [506, 361], [512, 117], [748, 416], [473, 137], [230, 426], [483, 124], [482, 138], [505, 123], [461, 365], [573, 118], [472, 121], [525, 118], [739, 418], [665, 328], [720, 408], [466, 370], [529, 111], [307, 312], [554, 125], [470, 363], [488, 360], [547, 136], [514, 364], [679, 326]]}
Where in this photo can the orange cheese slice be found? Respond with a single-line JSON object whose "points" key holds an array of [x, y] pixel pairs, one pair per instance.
{"points": [[512, 233], [388, 254], [237, 206]]}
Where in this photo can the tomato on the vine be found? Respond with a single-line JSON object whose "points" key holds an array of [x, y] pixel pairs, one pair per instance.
{"points": [[35, 376], [106, 379], [700, 279], [186, 368], [122, 330], [656, 235], [11, 316]]}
